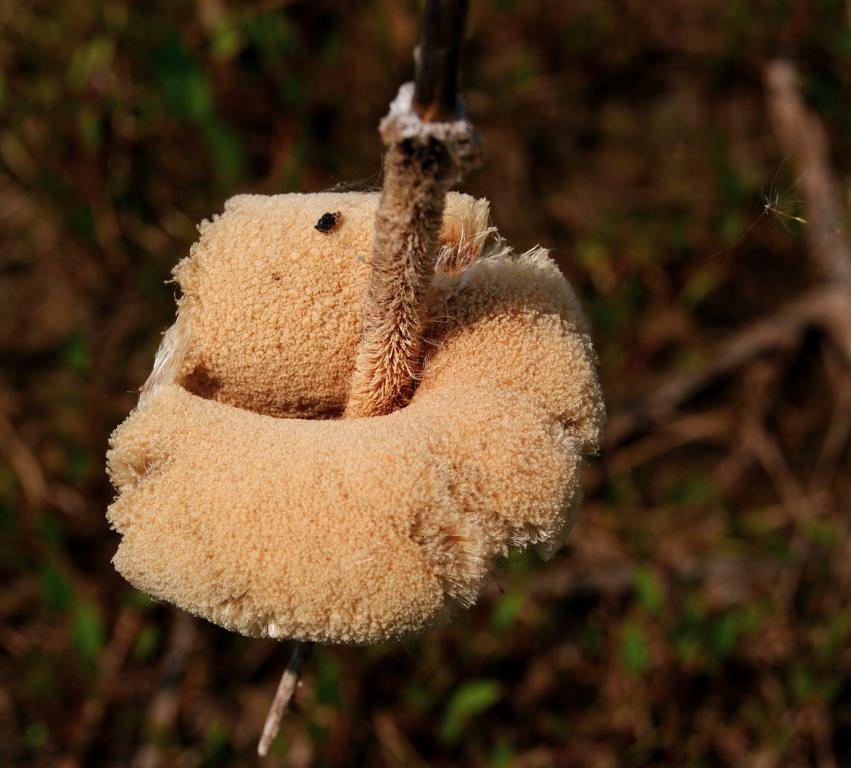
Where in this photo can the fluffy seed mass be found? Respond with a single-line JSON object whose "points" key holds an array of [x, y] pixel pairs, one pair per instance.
{"points": [[245, 499]]}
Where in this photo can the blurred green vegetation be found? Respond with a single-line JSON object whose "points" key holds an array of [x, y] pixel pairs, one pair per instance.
{"points": [[699, 615]]}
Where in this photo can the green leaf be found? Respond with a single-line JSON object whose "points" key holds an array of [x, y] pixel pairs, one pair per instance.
{"points": [[136, 599], [328, 680], [700, 285], [216, 742], [226, 152], [506, 611], [87, 630], [502, 755], [76, 353], [692, 490], [418, 697], [184, 86], [725, 634], [469, 700], [226, 41], [56, 588], [146, 643], [649, 591], [36, 735], [634, 649]]}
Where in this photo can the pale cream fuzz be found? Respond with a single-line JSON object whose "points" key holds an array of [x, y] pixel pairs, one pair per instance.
{"points": [[348, 530]]}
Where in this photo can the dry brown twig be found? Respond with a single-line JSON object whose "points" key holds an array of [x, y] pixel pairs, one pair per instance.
{"points": [[826, 307], [430, 145], [90, 715], [823, 307], [163, 708], [839, 429], [803, 137], [286, 689]]}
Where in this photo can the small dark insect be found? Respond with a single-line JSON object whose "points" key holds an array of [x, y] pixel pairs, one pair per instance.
{"points": [[329, 221]]}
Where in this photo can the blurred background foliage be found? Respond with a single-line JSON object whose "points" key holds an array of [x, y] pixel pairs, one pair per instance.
{"points": [[700, 613]]}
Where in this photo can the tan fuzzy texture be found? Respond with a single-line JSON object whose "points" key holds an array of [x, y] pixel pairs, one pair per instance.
{"points": [[422, 161], [407, 226], [354, 530], [465, 234], [270, 314]]}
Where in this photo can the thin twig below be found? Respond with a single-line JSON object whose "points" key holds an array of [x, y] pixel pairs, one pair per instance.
{"points": [[286, 689]]}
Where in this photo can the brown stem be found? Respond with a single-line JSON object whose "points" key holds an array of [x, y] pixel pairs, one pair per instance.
{"points": [[425, 157], [828, 308], [439, 59], [286, 689], [429, 146]]}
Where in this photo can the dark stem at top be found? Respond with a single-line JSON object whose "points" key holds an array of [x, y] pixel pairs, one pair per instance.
{"points": [[436, 84]]}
